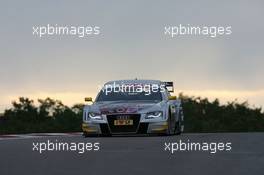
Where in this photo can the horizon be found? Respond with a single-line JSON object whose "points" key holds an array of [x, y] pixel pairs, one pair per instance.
{"points": [[70, 98], [131, 44]]}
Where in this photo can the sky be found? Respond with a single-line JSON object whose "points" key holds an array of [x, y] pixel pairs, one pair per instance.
{"points": [[131, 45]]}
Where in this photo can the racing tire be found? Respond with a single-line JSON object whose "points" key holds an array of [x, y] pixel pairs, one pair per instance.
{"points": [[171, 129], [178, 130]]}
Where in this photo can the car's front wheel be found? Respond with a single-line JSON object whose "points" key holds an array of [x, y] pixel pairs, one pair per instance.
{"points": [[178, 127], [171, 126]]}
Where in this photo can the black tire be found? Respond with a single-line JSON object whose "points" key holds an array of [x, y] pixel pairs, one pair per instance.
{"points": [[171, 129], [170, 132], [178, 128]]}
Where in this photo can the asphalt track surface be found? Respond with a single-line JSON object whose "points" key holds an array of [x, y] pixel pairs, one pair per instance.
{"points": [[135, 155]]}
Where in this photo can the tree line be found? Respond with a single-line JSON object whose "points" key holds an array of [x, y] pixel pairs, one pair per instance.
{"points": [[49, 116], [201, 115]]}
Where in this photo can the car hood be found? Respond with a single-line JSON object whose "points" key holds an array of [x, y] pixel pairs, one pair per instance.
{"points": [[125, 107]]}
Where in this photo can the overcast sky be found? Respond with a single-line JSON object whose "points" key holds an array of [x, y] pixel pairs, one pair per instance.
{"points": [[131, 44]]}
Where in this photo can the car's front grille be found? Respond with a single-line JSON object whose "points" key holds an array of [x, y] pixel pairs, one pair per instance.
{"points": [[104, 129], [115, 129]]}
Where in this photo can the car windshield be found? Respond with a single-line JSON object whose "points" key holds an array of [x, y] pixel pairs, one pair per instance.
{"points": [[128, 96]]}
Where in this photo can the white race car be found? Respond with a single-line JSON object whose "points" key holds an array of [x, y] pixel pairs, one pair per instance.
{"points": [[133, 107]]}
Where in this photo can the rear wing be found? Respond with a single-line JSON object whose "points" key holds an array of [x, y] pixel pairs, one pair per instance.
{"points": [[169, 86]]}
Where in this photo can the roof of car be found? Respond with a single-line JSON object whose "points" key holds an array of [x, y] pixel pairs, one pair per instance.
{"points": [[134, 81]]}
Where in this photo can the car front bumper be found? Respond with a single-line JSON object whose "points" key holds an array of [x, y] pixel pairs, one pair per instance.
{"points": [[143, 128]]}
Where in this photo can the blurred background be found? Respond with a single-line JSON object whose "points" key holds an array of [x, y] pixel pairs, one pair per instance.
{"points": [[131, 44]]}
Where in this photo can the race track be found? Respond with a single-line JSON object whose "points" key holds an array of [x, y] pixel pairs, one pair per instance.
{"points": [[134, 155]]}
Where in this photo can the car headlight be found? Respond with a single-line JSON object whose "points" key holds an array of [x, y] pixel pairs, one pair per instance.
{"points": [[94, 116], [155, 114]]}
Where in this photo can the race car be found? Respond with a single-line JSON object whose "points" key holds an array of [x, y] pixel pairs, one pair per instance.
{"points": [[133, 107]]}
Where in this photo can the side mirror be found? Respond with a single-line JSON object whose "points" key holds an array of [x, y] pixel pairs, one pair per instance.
{"points": [[172, 97], [88, 99]]}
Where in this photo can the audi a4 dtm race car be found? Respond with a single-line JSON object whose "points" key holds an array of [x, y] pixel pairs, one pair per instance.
{"points": [[133, 107]]}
